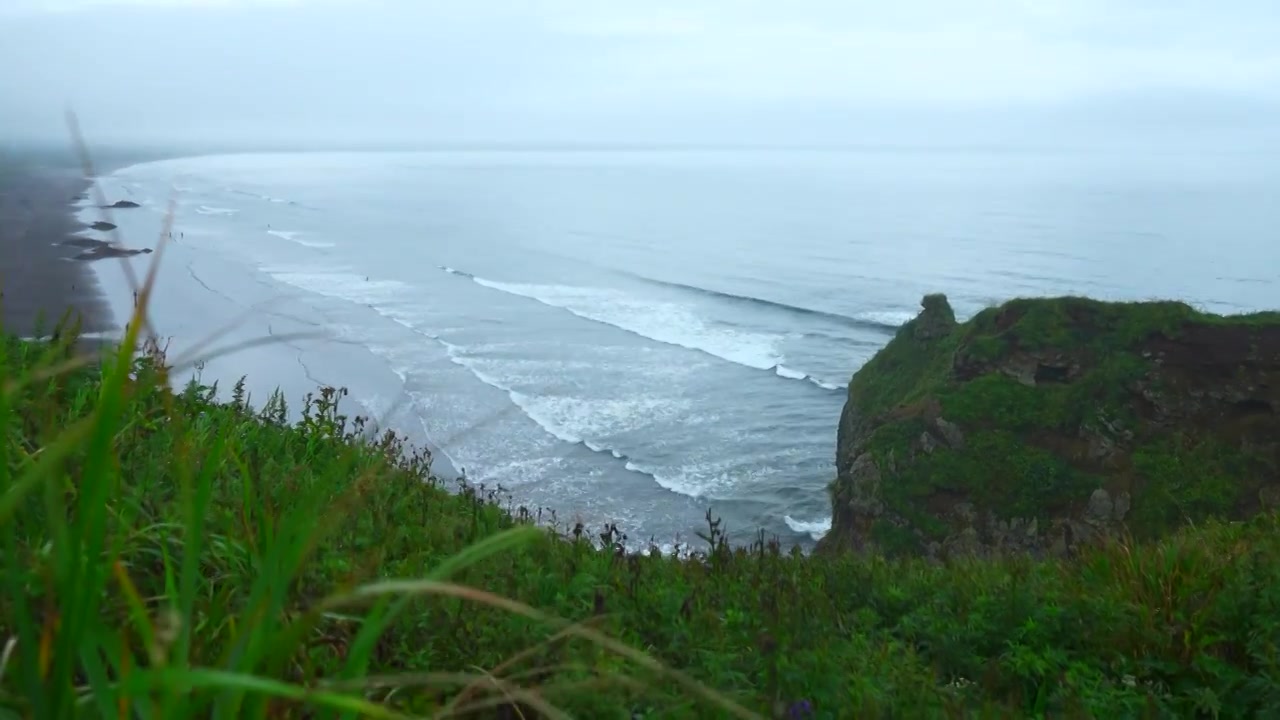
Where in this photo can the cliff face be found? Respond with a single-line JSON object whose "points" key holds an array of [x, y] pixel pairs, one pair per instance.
{"points": [[1043, 424]]}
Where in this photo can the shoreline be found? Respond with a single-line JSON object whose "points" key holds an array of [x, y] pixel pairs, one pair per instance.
{"points": [[49, 266], [215, 294]]}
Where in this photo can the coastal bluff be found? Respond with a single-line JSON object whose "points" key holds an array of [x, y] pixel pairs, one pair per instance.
{"points": [[1045, 424]]}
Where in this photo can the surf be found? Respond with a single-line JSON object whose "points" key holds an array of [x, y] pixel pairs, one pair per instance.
{"points": [[659, 321], [886, 322]]}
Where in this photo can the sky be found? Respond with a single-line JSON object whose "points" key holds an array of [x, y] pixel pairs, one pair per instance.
{"points": [[793, 72]]}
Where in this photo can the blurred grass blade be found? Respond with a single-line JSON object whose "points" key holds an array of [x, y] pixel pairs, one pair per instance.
{"points": [[382, 615], [43, 469], [192, 679], [434, 587]]}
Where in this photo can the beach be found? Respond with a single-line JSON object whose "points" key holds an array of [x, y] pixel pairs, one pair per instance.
{"points": [[216, 324], [221, 322], [38, 278]]}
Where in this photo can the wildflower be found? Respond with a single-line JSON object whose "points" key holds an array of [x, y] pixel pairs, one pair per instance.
{"points": [[800, 710]]}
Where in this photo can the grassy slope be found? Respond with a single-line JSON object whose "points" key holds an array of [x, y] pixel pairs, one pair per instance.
{"points": [[168, 557], [1007, 466]]}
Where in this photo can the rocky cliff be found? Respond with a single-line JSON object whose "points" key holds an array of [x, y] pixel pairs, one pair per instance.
{"points": [[1043, 424]]}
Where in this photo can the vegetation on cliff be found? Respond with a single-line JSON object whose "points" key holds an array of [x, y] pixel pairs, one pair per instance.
{"points": [[1042, 424], [166, 556]]}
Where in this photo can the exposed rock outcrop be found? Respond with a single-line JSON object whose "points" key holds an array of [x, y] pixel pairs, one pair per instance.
{"points": [[84, 242], [122, 204], [103, 225], [1044, 424], [101, 249]]}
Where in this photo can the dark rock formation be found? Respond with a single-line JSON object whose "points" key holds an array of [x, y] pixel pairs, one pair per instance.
{"points": [[110, 252], [936, 320], [1043, 424], [101, 249], [123, 204], [103, 226], [84, 242]]}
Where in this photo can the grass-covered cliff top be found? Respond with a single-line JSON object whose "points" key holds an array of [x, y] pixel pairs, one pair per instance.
{"points": [[1047, 400], [165, 556], [911, 367]]}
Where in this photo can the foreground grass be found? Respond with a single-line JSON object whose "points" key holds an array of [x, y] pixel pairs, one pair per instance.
{"points": [[165, 556]]}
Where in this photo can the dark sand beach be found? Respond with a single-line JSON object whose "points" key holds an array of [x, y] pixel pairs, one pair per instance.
{"points": [[43, 262], [38, 276]]}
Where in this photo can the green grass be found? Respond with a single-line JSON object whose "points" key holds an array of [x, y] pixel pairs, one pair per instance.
{"points": [[908, 369], [167, 556]]}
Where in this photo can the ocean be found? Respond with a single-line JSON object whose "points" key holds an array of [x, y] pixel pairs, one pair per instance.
{"points": [[639, 337]]}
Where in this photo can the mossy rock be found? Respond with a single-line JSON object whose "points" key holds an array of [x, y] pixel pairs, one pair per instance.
{"points": [[1044, 423]]}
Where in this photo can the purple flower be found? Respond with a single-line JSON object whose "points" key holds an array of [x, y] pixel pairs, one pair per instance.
{"points": [[800, 710]]}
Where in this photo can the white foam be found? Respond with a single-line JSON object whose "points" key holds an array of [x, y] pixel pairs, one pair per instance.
{"points": [[376, 407], [571, 419], [529, 407], [896, 318], [603, 418], [661, 321], [815, 528], [208, 210], [511, 473], [790, 374], [404, 316], [449, 457], [596, 447], [786, 372], [685, 481], [341, 284], [292, 236], [377, 295]]}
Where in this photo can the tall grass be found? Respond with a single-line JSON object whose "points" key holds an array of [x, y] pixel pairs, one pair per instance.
{"points": [[166, 555]]}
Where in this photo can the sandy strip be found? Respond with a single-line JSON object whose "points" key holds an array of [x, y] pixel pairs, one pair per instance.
{"points": [[37, 275]]}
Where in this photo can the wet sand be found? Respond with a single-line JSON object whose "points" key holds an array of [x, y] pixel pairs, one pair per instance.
{"points": [[40, 279]]}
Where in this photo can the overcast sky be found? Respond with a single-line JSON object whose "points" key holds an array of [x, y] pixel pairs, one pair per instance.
{"points": [[772, 71]]}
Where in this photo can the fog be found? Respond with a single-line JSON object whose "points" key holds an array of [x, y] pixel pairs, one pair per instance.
{"points": [[411, 73]]}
